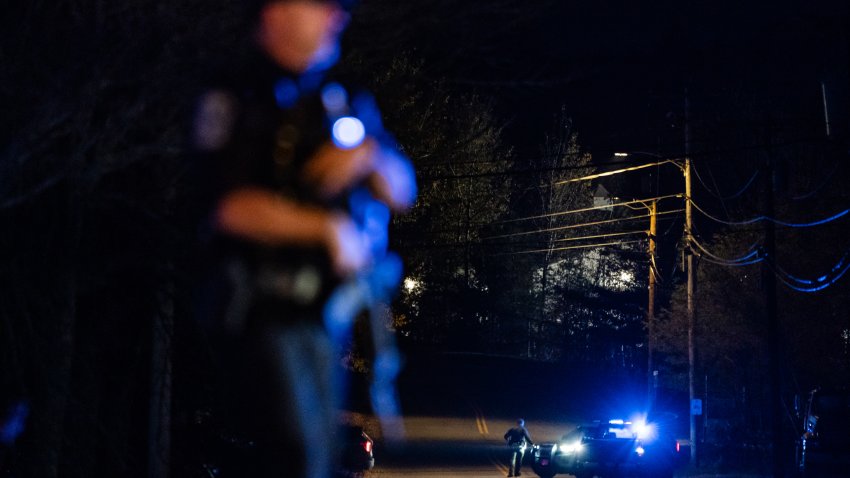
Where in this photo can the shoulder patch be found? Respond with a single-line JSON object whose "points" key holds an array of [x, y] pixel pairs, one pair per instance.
{"points": [[214, 119]]}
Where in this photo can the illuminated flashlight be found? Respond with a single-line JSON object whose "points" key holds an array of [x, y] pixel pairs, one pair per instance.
{"points": [[348, 132]]}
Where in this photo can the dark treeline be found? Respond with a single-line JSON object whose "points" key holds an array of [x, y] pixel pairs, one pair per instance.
{"points": [[96, 98]]}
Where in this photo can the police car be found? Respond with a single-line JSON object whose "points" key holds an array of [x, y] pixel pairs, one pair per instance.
{"points": [[610, 449]]}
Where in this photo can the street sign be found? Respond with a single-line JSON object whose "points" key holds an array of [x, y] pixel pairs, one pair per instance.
{"points": [[696, 406]]}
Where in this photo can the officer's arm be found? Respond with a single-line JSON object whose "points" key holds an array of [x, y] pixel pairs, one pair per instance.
{"points": [[393, 179], [388, 173], [261, 216], [332, 170]]}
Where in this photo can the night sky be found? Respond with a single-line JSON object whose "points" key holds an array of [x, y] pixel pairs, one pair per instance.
{"points": [[621, 67]]}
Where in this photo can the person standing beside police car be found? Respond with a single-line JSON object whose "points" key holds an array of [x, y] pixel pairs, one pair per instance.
{"points": [[518, 439]]}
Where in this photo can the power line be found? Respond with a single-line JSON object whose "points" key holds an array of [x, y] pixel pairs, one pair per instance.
{"points": [[406, 232], [718, 195], [827, 178], [530, 243], [585, 246], [738, 260], [654, 268], [574, 226], [588, 209], [739, 264], [791, 281], [611, 173], [812, 285], [773, 220], [600, 236]]}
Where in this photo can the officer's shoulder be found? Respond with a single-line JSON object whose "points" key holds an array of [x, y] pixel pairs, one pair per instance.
{"points": [[214, 120]]}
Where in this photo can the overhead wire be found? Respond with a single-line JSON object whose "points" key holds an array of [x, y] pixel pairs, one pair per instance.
{"points": [[716, 186], [611, 173], [653, 268], [584, 246], [588, 209], [754, 249], [717, 194], [579, 238], [812, 285], [770, 219], [799, 284], [600, 236], [587, 224], [754, 253], [826, 180]]}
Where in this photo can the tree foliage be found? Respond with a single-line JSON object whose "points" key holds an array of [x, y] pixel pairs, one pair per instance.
{"points": [[96, 96]]}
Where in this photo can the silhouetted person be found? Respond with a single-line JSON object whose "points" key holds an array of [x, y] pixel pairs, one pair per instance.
{"points": [[518, 440]]}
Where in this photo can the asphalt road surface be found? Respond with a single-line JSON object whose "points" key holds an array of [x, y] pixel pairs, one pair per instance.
{"points": [[451, 447]]}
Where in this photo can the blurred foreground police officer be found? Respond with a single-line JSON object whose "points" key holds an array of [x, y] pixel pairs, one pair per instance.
{"points": [[278, 172]]}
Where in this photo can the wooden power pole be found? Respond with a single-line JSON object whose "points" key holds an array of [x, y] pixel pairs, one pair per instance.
{"points": [[691, 279], [650, 310]]}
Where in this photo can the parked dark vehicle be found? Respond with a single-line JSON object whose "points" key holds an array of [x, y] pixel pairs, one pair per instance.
{"points": [[823, 448], [357, 453], [223, 453], [609, 449]]}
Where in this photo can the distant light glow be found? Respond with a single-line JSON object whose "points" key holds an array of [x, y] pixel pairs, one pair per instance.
{"points": [[616, 421], [621, 155], [640, 451], [410, 284], [348, 132]]}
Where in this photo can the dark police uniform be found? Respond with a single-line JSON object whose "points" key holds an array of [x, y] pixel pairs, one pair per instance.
{"points": [[262, 306], [517, 439]]}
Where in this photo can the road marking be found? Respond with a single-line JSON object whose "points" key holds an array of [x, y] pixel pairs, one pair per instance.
{"points": [[480, 422], [482, 425]]}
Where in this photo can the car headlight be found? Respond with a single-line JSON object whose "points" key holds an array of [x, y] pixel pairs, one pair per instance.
{"points": [[570, 448], [644, 431], [640, 451]]}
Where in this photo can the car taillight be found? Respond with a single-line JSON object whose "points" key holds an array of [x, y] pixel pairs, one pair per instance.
{"points": [[367, 445], [678, 447]]}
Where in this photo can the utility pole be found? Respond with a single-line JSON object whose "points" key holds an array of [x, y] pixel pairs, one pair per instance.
{"points": [[691, 278], [773, 334], [650, 310], [691, 313]]}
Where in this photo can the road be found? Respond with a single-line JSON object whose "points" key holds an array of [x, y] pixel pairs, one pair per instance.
{"points": [[465, 447], [437, 447]]}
